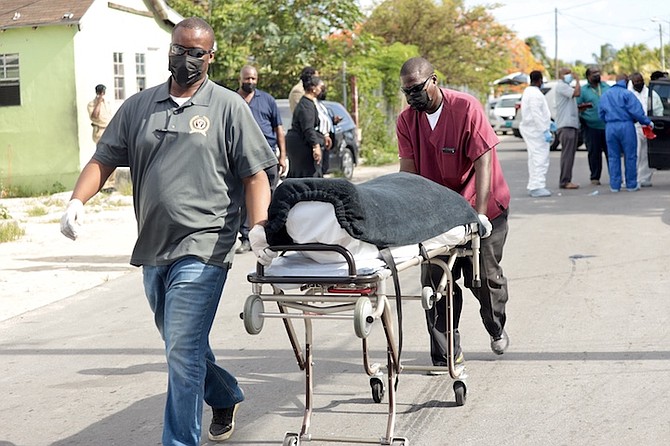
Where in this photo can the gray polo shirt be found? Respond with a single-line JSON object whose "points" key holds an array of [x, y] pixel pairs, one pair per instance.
{"points": [[566, 106], [186, 165]]}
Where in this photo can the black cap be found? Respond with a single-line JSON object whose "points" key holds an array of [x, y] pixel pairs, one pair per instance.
{"points": [[100, 89]]}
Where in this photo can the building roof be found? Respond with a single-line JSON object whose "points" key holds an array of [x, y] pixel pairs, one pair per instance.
{"points": [[31, 13]]}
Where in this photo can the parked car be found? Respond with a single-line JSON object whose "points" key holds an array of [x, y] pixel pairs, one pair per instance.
{"points": [[496, 121], [505, 109], [344, 153], [659, 147]]}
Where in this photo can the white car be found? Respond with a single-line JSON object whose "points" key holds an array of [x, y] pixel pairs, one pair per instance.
{"points": [[505, 109]]}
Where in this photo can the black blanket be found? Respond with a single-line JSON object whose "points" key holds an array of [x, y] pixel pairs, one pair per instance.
{"points": [[392, 210]]}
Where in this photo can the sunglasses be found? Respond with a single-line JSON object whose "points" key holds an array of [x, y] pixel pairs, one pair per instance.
{"points": [[178, 50], [416, 88]]}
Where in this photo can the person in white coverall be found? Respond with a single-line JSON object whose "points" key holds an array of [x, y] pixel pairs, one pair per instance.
{"points": [[641, 92], [534, 128]]}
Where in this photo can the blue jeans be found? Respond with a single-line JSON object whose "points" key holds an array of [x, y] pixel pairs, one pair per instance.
{"points": [[184, 297]]}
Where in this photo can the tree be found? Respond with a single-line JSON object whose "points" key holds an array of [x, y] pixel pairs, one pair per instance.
{"points": [[632, 58], [605, 60], [538, 51], [466, 45], [279, 37]]}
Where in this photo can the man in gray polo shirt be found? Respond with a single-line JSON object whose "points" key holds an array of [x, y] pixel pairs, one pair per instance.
{"points": [[567, 123], [194, 152]]}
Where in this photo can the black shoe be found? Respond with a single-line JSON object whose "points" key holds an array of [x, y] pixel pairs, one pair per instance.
{"points": [[223, 423], [245, 246], [500, 344]]}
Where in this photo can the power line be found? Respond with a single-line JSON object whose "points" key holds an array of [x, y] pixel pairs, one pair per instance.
{"points": [[539, 14], [613, 25]]}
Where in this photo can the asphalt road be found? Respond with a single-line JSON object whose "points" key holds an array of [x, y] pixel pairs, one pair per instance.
{"points": [[589, 360]]}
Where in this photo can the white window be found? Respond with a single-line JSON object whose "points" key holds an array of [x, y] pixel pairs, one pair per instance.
{"points": [[140, 71], [119, 78], [10, 88]]}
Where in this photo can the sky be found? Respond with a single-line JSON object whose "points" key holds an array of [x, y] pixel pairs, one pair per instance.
{"points": [[583, 25]]}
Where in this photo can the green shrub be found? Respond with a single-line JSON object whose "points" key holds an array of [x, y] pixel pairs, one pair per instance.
{"points": [[10, 231], [37, 211]]}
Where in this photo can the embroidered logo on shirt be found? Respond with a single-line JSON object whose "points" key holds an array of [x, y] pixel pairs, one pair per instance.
{"points": [[199, 124]]}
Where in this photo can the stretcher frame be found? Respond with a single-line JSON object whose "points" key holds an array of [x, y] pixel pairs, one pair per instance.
{"points": [[362, 298]]}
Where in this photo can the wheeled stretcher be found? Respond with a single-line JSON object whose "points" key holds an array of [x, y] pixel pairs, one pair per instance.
{"points": [[316, 279]]}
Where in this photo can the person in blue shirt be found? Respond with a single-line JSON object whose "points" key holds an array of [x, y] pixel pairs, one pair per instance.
{"points": [[264, 109], [620, 110], [593, 126]]}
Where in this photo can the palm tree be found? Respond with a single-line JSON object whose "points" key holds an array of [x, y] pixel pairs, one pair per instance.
{"points": [[605, 60], [633, 58]]}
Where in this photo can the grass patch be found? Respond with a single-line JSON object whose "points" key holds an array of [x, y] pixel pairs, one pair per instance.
{"points": [[4, 213], [125, 188], [10, 231], [30, 191], [37, 211], [52, 202]]}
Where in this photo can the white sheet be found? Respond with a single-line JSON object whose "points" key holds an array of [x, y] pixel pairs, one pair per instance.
{"points": [[315, 222]]}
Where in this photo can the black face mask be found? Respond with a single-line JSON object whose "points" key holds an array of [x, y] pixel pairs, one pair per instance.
{"points": [[322, 95], [596, 79], [186, 70], [420, 101], [248, 87], [638, 87]]}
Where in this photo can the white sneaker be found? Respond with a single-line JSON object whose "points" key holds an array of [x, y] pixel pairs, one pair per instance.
{"points": [[458, 363], [539, 193]]}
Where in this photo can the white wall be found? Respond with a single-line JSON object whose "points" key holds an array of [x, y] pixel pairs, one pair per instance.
{"points": [[103, 32]]}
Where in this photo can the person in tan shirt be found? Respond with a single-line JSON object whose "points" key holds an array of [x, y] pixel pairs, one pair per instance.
{"points": [[100, 112]]}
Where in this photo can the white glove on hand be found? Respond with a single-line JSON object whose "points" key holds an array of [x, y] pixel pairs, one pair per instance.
{"points": [[486, 225], [259, 245], [72, 219]]}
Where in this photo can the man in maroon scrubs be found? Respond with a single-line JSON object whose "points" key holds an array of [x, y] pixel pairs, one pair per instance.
{"points": [[444, 135]]}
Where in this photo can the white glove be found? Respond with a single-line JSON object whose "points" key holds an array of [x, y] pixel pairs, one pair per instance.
{"points": [[72, 219], [651, 124], [259, 245], [486, 225]]}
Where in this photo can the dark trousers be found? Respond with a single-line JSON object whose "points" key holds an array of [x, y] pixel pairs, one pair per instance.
{"points": [[492, 295], [273, 176], [568, 136], [596, 145]]}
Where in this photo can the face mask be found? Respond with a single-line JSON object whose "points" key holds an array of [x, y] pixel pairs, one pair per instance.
{"points": [[596, 79], [419, 102], [322, 95], [568, 78], [248, 87], [638, 87], [186, 70]]}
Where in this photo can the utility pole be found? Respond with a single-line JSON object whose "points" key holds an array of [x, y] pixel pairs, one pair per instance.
{"points": [[660, 37], [556, 43]]}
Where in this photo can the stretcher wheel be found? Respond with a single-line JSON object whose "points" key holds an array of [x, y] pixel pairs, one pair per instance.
{"points": [[460, 392], [253, 320], [427, 298], [377, 386], [363, 317], [291, 439], [400, 442]]}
